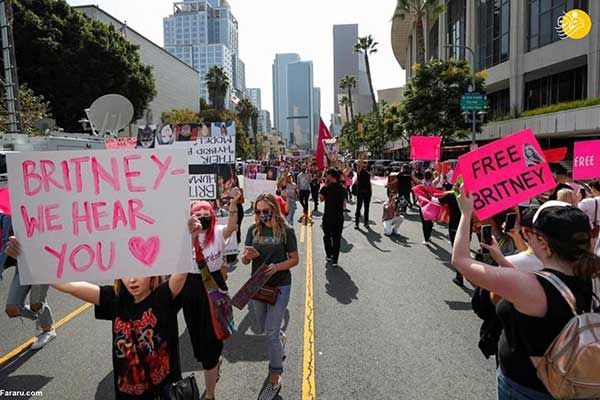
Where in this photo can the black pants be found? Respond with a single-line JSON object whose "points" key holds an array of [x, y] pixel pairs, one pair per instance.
{"points": [[332, 237], [304, 196], [427, 227], [315, 196], [360, 201], [406, 195], [452, 234], [240, 217]]}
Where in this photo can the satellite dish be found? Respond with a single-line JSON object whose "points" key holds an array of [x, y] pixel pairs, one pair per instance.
{"points": [[110, 113]]}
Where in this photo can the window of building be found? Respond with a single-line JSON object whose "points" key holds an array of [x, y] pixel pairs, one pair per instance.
{"points": [[565, 86], [434, 41], [543, 18], [456, 14], [493, 32], [499, 103]]}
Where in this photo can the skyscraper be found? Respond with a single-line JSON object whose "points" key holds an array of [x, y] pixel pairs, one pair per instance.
{"points": [[280, 97], [264, 121], [204, 33], [255, 96], [300, 108], [347, 62]]}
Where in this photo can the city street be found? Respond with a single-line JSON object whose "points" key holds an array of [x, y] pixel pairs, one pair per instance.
{"points": [[388, 324]]}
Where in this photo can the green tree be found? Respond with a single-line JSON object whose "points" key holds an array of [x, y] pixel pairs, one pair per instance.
{"points": [[244, 110], [432, 95], [419, 9], [185, 116], [348, 83], [217, 83], [33, 109], [367, 46], [345, 102], [71, 60]]}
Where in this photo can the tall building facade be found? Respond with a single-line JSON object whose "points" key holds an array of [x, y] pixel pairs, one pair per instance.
{"points": [[300, 107], [528, 65], [264, 121], [347, 62], [254, 94], [280, 96], [203, 33]]}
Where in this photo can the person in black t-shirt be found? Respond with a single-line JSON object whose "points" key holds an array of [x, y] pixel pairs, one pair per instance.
{"points": [[364, 192], [449, 199], [334, 196], [145, 342], [532, 311]]}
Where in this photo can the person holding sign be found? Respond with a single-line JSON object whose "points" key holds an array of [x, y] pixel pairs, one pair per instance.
{"points": [[270, 241], [145, 339], [532, 311], [196, 308]]}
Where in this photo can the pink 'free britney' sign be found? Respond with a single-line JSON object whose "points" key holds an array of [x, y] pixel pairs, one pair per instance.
{"points": [[100, 215], [586, 160], [425, 148], [504, 173]]}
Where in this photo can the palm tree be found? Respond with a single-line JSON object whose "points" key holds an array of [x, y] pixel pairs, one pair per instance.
{"points": [[420, 9], [244, 109], [345, 101], [348, 83], [254, 120], [217, 83], [368, 46]]}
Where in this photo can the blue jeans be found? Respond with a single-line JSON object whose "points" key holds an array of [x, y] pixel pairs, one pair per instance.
{"points": [[269, 318], [37, 295], [290, 216], [508, 389]]}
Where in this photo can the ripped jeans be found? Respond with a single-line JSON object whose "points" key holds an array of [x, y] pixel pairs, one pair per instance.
{"points": [[37, 295]]}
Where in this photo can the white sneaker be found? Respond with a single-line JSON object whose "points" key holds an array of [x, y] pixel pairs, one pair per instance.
{"points": [[43, 339], [269, 391]]}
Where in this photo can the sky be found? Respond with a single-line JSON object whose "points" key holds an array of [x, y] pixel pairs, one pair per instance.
{"points": [[268, 27]]}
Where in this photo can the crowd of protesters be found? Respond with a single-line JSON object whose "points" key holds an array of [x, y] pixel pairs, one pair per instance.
{"points": [[556, 232]]}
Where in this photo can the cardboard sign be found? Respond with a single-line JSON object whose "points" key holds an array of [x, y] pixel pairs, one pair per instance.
{"points": [[203, 186], [210, 150], [586, 160], [99, 215], [250, 288], [121, 143], [425, 148], [255, 187], [505, 173]]}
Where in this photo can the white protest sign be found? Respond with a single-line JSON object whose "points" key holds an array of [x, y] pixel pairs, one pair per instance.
{"points": [[99, 215], [255, 187], [203, 186], [209, 150]]}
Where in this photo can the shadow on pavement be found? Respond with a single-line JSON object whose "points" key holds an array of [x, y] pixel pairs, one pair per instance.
{"points": [[22, 382], [106, 388], [340, 285], [373, 238], [345, 246], [401, 240], [459, 305]]}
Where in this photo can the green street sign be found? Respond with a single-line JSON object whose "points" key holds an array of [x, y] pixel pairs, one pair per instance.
{"points": [[473, 102]]}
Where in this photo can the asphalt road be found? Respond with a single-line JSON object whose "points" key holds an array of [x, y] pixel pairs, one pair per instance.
{"points": [[388, 324]]}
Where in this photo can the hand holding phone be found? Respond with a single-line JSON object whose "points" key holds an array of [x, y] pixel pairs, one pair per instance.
{"points": [[486, 236]]}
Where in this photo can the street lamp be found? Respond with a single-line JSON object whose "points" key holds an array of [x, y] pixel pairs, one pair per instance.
{"points": [[471, 89]]}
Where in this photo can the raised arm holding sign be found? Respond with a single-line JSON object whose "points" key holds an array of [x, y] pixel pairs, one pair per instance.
{"points": [[98, 215]]}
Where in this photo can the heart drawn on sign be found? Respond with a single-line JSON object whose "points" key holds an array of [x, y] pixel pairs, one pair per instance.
{"points": [[145, 251]]}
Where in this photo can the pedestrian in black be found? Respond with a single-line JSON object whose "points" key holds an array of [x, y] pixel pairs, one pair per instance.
{"points": [[315, 185], [449, 199], [364, 192], [405, 184], [334, 196]]}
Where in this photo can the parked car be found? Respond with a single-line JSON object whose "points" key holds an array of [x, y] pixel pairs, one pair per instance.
{"points": [[394, 166], [379, 168]]}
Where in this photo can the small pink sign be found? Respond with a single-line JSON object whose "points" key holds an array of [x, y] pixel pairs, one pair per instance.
{"points": [[121, 143], [505, 173], [425, 148], [586, 160]]}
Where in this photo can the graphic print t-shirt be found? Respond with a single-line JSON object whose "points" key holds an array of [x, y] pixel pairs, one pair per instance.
{"points": [[214, 253], [145, 341], [272, 251]]}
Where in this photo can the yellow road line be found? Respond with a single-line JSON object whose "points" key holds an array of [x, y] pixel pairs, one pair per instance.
{"points": [[309, 391], [302, 231], [29, 342]]}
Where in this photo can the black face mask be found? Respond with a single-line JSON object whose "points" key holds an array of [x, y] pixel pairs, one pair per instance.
{"points": [[205, 222]]}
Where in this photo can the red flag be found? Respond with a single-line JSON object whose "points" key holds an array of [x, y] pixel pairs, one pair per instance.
{"points": [[555, 155], [320, 154]]}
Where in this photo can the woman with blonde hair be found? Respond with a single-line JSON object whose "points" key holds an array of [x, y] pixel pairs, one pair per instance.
{"points": [[271, 242]]}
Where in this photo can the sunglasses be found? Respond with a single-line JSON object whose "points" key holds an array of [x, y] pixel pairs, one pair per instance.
{"points": [[262, 212]]}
